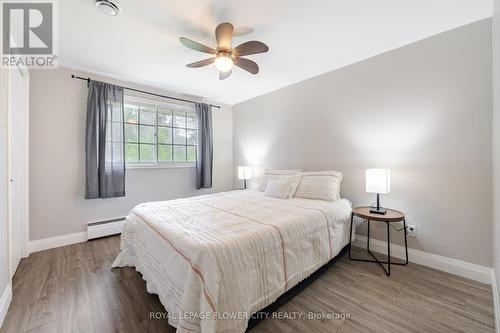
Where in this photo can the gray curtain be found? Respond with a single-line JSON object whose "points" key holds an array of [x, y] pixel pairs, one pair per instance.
{"points": [[204, 160], [104, 142]]}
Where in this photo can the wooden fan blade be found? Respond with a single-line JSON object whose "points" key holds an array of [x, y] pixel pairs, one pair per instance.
{"points": [[196, 46], [224, 75], [224, 35], [201, 63], [247, 64], [251, 47]]}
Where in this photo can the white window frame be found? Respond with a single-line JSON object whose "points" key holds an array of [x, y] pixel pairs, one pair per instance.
{"points": [[158, 165]]}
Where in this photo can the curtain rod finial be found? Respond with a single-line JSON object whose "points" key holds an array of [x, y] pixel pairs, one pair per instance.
{"points": [[72, 76]]}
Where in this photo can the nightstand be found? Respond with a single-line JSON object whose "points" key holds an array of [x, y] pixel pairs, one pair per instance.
{"points": [[392, 216]]}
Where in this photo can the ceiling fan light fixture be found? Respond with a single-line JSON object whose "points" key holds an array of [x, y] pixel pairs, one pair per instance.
{"points": [[224, 62], [108, 7], [224, 56]]}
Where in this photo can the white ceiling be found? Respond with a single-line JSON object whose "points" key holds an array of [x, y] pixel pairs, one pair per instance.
{"points": [[306, 38]]}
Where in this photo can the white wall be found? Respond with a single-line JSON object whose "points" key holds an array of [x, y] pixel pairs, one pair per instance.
{"points": [[4, 175], [57, 168], [423, 110]]}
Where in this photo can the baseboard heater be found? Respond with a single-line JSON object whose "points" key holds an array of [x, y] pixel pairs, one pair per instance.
{"points": [[105, 228]]}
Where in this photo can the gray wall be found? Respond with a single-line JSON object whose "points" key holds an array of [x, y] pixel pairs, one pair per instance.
{"points": [[57, 173], [423, 110], [496, 140], [4, 175]]}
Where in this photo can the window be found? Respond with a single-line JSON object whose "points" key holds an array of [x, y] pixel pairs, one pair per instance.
{"points": [[158, 134]]}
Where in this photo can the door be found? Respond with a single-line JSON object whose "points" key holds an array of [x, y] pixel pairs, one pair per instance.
{"points": [[18, 158]]}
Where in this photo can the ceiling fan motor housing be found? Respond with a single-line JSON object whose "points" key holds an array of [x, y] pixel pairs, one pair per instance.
{"points": [[225, 53]]}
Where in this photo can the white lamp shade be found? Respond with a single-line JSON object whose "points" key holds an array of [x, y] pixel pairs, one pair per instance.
{"points": [[244, 172], [378, 180]]}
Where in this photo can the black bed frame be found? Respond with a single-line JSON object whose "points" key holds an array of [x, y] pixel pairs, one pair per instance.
{"points": [[264, 313]]}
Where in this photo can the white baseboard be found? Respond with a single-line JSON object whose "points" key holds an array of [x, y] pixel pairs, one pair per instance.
{"points": [[92, 232], [496, 305], [5, 303], [57, 241], [105, 229], [458, 267]]}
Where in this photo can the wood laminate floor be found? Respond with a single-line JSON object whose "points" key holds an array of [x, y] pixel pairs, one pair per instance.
{"points": [[73, 289]]}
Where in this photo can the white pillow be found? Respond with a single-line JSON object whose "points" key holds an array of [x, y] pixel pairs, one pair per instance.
{"points": [[281, 172], [321, 185], [279, 188], [270, 174], [293, 181]]}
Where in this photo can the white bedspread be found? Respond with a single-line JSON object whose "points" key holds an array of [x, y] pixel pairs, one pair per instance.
{"points": [[229, 254]]}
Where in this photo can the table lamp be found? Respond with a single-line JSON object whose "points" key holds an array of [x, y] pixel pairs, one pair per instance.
{"points": [[245, 172], [378, 181]]}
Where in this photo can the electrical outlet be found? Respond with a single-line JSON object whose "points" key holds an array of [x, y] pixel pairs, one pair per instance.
{"points": [[412, 230]]}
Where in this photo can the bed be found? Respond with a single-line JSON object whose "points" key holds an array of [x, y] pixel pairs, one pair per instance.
{"points": [[216, 259]]}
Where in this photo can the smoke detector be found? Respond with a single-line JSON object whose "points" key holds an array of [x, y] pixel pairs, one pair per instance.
{"points": [[108, 7]]}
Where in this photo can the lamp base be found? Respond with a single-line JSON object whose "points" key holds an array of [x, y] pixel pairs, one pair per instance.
{"points": [[377, 209], [380, 211]]}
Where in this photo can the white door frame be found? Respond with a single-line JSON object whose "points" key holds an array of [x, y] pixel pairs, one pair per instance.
{"points": [[26, 175], [25, 161]]}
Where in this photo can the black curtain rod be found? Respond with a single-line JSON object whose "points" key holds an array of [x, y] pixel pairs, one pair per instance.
{"points": [[145, 92]]}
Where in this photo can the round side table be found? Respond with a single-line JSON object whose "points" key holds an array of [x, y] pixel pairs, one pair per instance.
{"points": [[392, 216]]}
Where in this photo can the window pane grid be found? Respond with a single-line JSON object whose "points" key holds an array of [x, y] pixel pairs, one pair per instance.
{"points": [[158, 135], [167, 144], [137, 124]]}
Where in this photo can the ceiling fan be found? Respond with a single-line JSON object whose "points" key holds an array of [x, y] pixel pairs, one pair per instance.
{"points": [[226, 57]]}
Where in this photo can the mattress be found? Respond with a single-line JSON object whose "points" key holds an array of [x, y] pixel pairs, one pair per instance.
{"points": [[216, 259]]}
